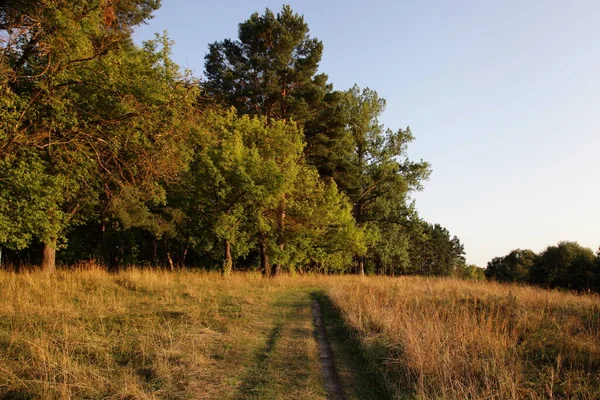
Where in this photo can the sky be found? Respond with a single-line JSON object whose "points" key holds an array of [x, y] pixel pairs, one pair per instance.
{"points": [[503, 98]]}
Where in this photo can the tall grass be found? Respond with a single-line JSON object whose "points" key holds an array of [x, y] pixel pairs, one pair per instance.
{"points": [[142, 334], [136, 334], [451, 339]]}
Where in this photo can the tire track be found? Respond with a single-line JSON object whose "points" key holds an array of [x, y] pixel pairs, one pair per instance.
{"points": [[332, 381]]}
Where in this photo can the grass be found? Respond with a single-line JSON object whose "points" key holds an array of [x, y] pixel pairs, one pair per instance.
{"points": [[152, 334], [451, 339], [359, 379], [143, 334]]}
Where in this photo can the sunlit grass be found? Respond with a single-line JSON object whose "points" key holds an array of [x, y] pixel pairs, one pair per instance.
{"points": [[145, 333], [451, 339], [136, 334]]}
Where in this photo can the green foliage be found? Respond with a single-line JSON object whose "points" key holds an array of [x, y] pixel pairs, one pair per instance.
{"points": [[514, 267], [248, 177], [435, 252], [567, 265], [111, 144], [27, 194], [379, 178], [271, 70], [470, 272], [319, 230], [97, 114]]}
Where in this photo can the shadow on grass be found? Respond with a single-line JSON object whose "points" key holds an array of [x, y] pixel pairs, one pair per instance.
{"points": [[356, 370], [259, 377], [17, 395]]}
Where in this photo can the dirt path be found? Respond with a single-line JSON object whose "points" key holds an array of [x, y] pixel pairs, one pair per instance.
{"points": [[287, 365], [354, 372], [332, 381], [304, 353]]}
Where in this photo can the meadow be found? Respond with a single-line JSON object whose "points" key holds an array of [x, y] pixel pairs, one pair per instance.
{"points": [[451, 339], [153, 334]]}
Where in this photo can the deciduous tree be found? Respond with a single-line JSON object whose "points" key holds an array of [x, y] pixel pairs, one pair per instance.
{"points": [[91, 111], [514, 267], [566, 265]]}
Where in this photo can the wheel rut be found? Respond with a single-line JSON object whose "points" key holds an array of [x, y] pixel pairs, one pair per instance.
{"points": [[332, 381]]}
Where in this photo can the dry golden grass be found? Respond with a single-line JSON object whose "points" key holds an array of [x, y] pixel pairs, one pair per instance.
{"points": [[451, 339], [143, 334]]}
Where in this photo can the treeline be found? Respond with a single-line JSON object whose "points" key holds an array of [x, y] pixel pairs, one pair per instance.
{"points": [[110, 152], [566, 265]]}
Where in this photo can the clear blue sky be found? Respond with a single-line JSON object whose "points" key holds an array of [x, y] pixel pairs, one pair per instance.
{"points": [[502, 96]]}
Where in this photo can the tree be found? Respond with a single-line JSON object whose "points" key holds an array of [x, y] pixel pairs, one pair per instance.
{"points": [[596, 273], [26, 194], [514, 267], [319, 231], [379, 176], [249, 184], [566, 265], [271, 70], [95, 114], [222, 187], [302, 213], [470, 272], [435, 252]]}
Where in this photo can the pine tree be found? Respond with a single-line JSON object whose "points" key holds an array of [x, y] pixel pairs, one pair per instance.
{"points": [[271, 70], [380, 177]]}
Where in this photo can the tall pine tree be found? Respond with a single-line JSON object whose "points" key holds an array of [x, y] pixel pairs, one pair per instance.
{"points": [[379, 177]]}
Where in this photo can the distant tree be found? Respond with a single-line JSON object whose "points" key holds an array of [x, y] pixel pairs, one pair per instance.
{"points": [[435, 252], [514, 267], [566, 265], [470, 272], [596, 279]]}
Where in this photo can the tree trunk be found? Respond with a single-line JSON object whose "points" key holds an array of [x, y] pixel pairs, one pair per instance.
{"points": [[276, 270], [100, 249], [185, 251], [49, 256], [108, 250], [361, 266], [358, 214], [166, 249], [171, 264], [228, 261], [264, 256], [280, 234], [155, 252]]}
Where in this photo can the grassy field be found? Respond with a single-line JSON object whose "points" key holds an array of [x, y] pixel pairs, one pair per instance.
{"points": [[451, 339], [146, 334], [152, 334]]}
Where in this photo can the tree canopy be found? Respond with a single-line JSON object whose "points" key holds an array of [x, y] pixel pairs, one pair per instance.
{"points": [[109, 152], [514, 267], [567, 265]]}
